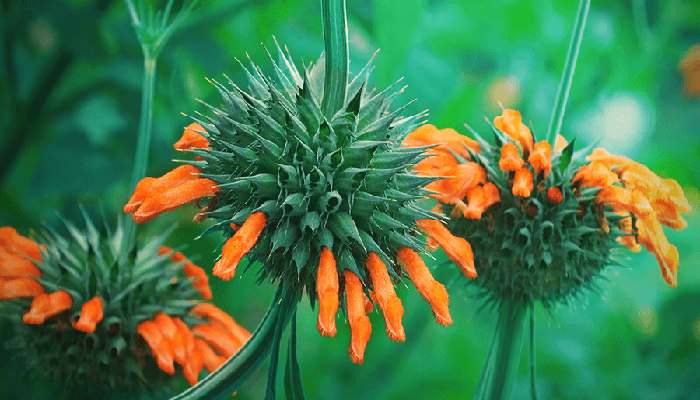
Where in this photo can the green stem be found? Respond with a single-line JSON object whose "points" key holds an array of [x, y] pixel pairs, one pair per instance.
{"points": [[335, 35], [567, 75], [237, 369], [533, 370], [143, 143], [502, 363]]}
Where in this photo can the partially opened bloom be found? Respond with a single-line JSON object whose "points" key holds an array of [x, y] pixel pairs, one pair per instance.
{"points": [[103, 320], [552, 220], [325, 202]]}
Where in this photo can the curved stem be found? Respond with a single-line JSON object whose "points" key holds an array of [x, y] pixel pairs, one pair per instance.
{"points": [[237, 369], [143, 143], [567, 75], [335, 35], [502, 363]]}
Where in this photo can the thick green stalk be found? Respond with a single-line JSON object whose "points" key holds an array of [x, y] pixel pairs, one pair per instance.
{"points": [[567, 75], [502, 363], [533, 370], [335, 35], [143, 142]]}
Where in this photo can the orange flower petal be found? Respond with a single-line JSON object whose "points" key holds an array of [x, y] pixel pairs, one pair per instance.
{"points": [[629, 241], [219, 340], [456, 248], [176, 177], [211, 360], [510, 123], [431, 290], [163, 200], [159, 344], [221, 320], [13, 265], [193, 366], [540, 158], [90, 315], [522, 183], [200, 280], [192, 139], [554, 195], [480, 198], [13, 242], [360, 327], [437, 164], [510, 158], [464, 177], [595, 174], [19, 287], [385, 295], [560, 143], [448, 140], [239, 245], [47, 305], [327, 287], [652, 237], [183, 343]]}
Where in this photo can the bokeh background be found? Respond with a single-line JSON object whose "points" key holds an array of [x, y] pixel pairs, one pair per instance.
{"points": [[70, 92]]}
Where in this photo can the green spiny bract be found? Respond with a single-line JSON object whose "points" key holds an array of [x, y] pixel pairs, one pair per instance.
{"points": [[339, 181], [528, 249], [134, 286]]}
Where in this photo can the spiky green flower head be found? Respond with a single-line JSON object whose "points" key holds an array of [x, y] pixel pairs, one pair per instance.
{"points": [[288, 182], [102, 319], [520, 225]]}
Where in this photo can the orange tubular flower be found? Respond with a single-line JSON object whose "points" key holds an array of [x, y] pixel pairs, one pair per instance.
{"points": [[219, 340], [595, 174], [540, 158], [384, 293], [239, 245], [159, 344], [163, 200], [222, 321], [448, 140], [183, 345], [431, 290], [192, 138], [211, 360], [174, 178], [327, 287], [480, 198], [193, 366], [15, 243], [47, 305], [554, 195], [91, 314], [360, 327], [197, 274], [522, 183], [20, 287], [453, 190], [16, 266], [511, 123], [510, 158], [629, 241], [456, 248]]}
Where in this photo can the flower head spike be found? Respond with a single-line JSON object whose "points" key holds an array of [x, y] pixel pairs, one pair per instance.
{"points": [[553, 219], [104, 320], [314, 196]]}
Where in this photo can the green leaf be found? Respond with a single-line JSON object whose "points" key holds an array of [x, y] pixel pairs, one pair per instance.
{"points": [[344, 227]]}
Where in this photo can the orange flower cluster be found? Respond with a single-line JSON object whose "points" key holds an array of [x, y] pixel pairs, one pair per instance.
{"points": [[651, 200], [171, 341], [358, 305], [154, 196], [169, 338], [17, 269]]}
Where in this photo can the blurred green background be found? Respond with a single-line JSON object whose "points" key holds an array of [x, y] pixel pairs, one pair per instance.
{"points": [[70, 93]]}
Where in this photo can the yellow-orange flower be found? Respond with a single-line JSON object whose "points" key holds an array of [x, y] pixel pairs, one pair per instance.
{"points": [[511, 123]]}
